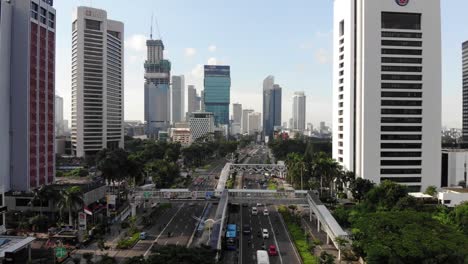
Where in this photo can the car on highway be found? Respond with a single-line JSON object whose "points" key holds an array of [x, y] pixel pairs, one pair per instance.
{"points": [[143, 236], [245, 187], [246, 229], [262, 257], [265, 233], [254, 211], [265, 212], [259, 205], [272, 250]]}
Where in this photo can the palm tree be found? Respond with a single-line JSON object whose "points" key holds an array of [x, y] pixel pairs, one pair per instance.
{"points": [[42, 194], [327, 169], [70, 199]]}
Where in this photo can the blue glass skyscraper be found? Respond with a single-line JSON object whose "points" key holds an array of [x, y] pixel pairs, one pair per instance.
{"points": [[217, 84], [271, 106]]}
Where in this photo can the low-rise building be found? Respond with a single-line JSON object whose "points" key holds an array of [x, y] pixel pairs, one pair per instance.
{"points": [[452, 196], [454, 167], [201, 124], [181, 135]]}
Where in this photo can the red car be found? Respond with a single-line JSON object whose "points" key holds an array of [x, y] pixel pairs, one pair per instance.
{"points": [[272, 250]]}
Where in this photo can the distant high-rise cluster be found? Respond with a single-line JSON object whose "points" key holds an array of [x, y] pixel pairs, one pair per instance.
{"points": [[97, 82]]}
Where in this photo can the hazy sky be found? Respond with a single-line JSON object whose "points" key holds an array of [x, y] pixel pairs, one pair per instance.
{"points": [[288, 39]]}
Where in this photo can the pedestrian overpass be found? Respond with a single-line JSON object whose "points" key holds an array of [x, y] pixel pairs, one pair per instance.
{"points": [[318, 211]]}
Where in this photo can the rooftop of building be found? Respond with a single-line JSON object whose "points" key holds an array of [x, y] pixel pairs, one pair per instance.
{"points": [[13, 243], [455, 149], [457, 190]]}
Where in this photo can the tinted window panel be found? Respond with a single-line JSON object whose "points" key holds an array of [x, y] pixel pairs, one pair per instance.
{"points": [[401, 20], [401, 111], [400, 171], [400, 162], [402, 179], [402, 94], [404, 43], [401, 60], [402, 51], [401, 85], [400, 137], [402, 68], [407, 120], [401, 128], [392, 34], [400, 145], [402, 154], [399, 77]]}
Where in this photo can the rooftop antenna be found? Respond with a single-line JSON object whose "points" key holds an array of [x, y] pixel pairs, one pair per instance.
{"points": [[151, 28], [157, 27]]}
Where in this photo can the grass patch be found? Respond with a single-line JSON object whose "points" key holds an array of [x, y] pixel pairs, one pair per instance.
{"points": [[272, 185], [129, 242], [297, 234], [229, 184]]}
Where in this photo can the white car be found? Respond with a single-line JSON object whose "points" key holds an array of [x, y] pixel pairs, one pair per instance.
{"points": [[254, 211], [265, 212], [265, 233], [259, 205]]}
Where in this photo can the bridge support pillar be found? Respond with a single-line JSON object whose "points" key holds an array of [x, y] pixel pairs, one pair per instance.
{"points": [[318, 226], [133, 206], [310, 214], [328, 239]]}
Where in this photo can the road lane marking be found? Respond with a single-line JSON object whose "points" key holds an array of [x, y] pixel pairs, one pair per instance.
{"points": [[168, 223], [177, 243], [274, 237], [166, 242]]}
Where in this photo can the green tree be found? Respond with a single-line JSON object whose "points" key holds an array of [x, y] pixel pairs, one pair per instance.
{"points": [[326, 258], [41, 196], [359, 187], [386, 195], [460, 217], [70, 200], [162, 172], [431, 190], [326, 170], [407, 237]]}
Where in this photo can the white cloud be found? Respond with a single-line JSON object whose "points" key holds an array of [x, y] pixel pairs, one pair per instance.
{"points": [[189, 52], [212, 48], [136, 43], [322, 56], [212, 61], [197, 72]]}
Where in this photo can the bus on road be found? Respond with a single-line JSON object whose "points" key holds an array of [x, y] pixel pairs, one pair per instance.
{"points": [[262, 257], [231, 237]]}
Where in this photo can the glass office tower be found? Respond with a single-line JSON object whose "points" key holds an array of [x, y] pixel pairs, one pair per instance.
{"points": [[217, 84]]}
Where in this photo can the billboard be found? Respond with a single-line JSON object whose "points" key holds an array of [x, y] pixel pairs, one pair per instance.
{"points": [[82, 221]]}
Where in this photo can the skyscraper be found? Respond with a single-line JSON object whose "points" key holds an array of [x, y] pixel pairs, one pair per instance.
{"points": [[237, 111], [386, 53], [254, 123], [245, 120], [97, 82], [201, 124], [27, 94], [59, 124], [299, 111], [217, 91], [271, 106], [193, 100], [157, 97], [178, 98], [465, 91]]}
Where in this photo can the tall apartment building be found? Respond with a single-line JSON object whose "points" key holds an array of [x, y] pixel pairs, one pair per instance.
{"points": [[387, 90], [178, 98], [59, 122], [237, 112], [271, 106], [217, 92], [465, 90], [97, 82], [254, 123], [245, 120], [299, 111], [27, 94], [193, 100], [201, 124], [157, 96]]}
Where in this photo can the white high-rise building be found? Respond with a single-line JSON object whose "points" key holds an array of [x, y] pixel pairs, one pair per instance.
{"points": [[97, 82], [387, 90], [201, 124], [178, 98], [59, 122], [299, 111], [245, 120], [254, 123], [237, 112]]}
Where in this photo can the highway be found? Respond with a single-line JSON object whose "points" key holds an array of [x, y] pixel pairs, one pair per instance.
{"points": [[242, 216]]}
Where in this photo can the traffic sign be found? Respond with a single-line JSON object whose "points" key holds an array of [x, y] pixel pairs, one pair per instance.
{"points": [[146, 194], [60, 252]]}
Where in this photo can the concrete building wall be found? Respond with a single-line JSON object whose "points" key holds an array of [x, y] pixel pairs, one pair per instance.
{"points": [[384, 126]]}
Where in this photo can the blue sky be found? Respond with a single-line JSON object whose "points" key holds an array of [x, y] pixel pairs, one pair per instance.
{"points": [[288, 39]]}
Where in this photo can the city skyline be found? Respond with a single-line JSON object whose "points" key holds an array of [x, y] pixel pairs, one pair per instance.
{"points": [[307, 47]]}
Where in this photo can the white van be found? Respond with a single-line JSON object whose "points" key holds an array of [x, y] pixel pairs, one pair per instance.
{"points": [[262, 257], [254, 211], [265, 212]]}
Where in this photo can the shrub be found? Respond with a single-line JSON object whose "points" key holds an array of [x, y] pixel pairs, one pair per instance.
{"points": [[127, 243]]}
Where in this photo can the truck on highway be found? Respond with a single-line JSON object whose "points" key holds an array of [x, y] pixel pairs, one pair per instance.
{"points": [[262, 257]]}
